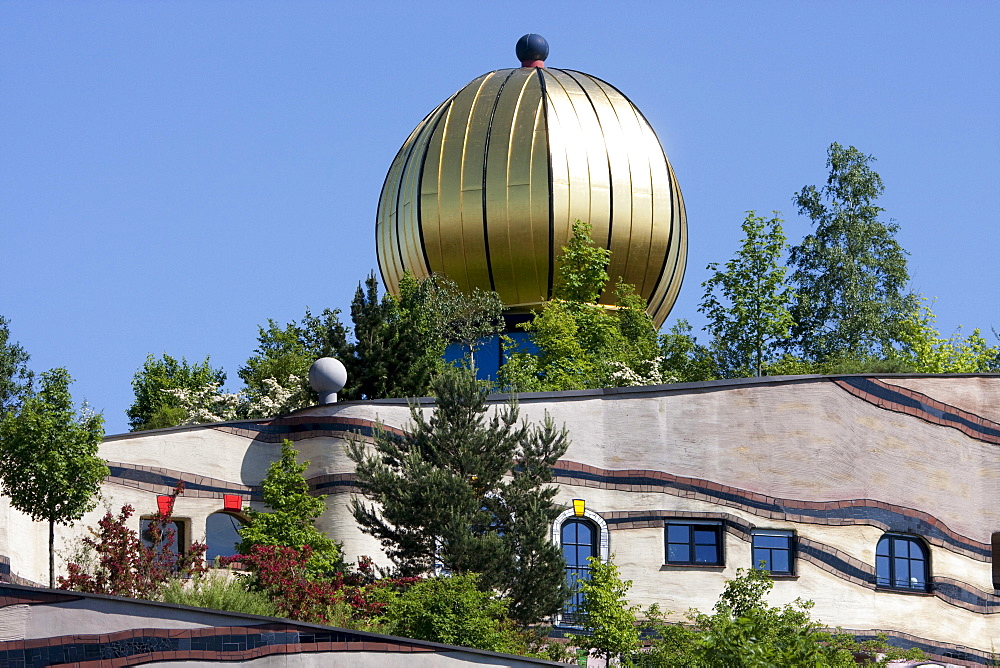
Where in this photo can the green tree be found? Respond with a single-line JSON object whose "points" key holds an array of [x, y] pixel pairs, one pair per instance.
{"points": [[747, 302], [683, 359], [401, 341], [850, 274], [746, 631], [48, 457], [578, 343], [284, 354], [291, 520], [924, 350], [15, 378], [608, 620], [454, 610], [155, 409], [467, 494]]}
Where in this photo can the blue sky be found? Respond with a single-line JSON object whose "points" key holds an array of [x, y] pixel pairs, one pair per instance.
{"points": [[173, 174]]}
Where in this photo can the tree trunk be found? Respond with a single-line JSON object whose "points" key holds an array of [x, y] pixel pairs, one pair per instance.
{"points": [[52, 554]]}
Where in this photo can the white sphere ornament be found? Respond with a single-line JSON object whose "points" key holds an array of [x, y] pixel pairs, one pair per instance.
{"points": [[327, 376]]}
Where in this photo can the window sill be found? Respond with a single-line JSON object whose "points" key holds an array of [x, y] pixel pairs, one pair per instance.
{"points": [[688, 567], [783, 576], [908, 592]]}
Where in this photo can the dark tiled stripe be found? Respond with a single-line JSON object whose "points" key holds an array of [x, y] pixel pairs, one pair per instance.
{"points": [[208, 644], [941, 651], [163, 481], [125, 472], [22, 597], [903, 400], [835, 561], [966, 596], [301, 428], [857, 511], [643, 519]]}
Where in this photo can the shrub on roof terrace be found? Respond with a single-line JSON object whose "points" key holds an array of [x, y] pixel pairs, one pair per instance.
{"points": [[116, 560]]}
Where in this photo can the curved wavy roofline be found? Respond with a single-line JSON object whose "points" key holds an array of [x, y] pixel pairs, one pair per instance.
{"points": [[670, 388]]}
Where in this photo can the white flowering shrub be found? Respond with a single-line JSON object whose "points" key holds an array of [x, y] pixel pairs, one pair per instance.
{"points": [[647, 372], [209, 403]]}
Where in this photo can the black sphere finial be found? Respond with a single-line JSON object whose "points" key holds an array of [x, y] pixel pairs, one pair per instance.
{"points": [[532, 47]]}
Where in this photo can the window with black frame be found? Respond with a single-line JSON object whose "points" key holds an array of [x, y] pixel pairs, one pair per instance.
{"points": [[694, 544], [901, 563], [579, 543], [773, 551]]}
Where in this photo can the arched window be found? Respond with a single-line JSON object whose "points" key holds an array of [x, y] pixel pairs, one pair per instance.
{"points": [[579, 543], [221, 535], [172, 533], [901, 563], [580, 533]]}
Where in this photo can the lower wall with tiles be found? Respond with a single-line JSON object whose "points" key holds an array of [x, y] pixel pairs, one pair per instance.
{"points": [[41, 627], [838, 464]]}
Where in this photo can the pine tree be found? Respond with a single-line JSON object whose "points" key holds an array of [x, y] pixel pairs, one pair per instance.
{"points": [[292, 516], [401, 340], [466, 493]]}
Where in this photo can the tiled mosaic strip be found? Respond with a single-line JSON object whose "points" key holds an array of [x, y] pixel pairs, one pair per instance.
{"points": [[162, 481], [304, 427], [904, 400], [824, 557], [945, 652], [10, 596], [886, 516], [236, 643]]}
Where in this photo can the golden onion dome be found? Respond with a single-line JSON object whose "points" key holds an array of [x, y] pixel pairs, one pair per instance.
{"points": [[486, 188]]}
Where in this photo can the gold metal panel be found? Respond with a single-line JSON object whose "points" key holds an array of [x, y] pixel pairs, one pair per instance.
{"points": [[390, 262], [673, 274], [664, 218], [541, 197], [430, 214], [507, 223], [620, 194], [566, 143], [477, 258], [456, 248], [408, 210], [590, 190], [524, 235], [641, 201]]}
